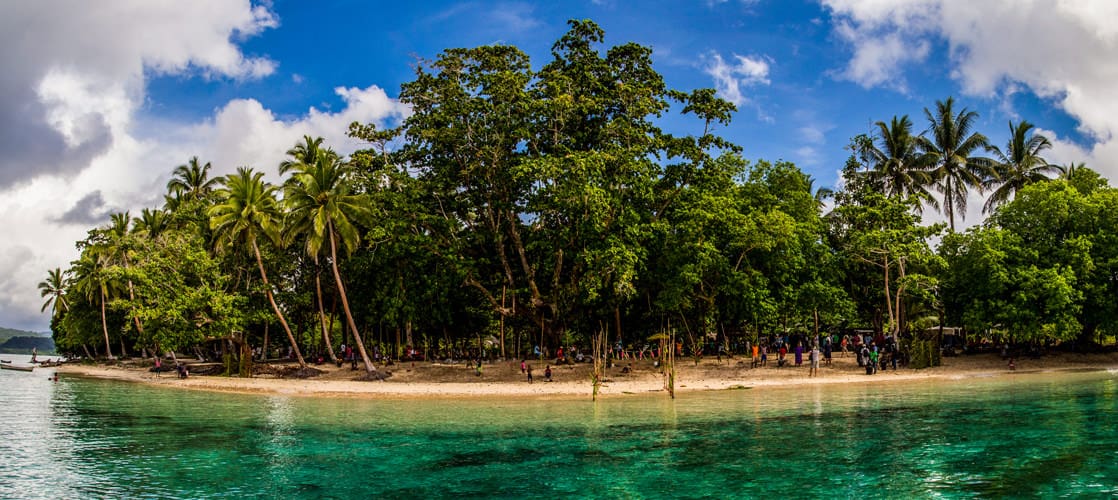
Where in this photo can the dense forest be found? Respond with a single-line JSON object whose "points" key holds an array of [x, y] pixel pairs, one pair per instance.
{"points": [[519, 207]]}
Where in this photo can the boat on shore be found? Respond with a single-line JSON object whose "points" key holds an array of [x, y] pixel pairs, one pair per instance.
{"points": [[9, 366]]}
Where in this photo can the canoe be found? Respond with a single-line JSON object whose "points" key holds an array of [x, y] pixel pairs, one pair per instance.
{"points": [[6, 366]]}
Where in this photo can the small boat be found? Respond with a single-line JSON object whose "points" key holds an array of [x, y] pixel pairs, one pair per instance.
{"points": [[7, 366]]}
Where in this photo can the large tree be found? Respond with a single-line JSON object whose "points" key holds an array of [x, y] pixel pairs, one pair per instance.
{"points": [[953, 150], [247, 210]]}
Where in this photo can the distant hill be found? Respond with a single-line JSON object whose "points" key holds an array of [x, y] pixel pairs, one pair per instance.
{"points": [[21, 341], [7, 333], [24, 345]]}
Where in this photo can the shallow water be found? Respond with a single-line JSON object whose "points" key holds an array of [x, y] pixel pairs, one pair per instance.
{"points": [[1027, 435]]}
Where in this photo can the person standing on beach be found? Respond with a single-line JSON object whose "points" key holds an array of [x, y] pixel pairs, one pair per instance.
{"points": [[813, 357], [827, 352], [529, 374], [547, 374], [756, 359], [764, 355], [799, 354], [782, 353]]}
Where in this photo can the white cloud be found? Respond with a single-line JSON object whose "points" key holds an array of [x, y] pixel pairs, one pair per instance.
{"points": [[729, 79], [1064, 51], [72, 100]]}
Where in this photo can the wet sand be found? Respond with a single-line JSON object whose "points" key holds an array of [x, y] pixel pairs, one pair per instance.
{"points": [[504, 379]]}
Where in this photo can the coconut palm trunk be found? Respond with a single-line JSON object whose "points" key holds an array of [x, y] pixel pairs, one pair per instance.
{"points": [[272, 300], [105, 326], [345, 301], [322, 315]]}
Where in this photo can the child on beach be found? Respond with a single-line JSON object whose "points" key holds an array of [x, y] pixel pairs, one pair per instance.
{"points": [[529, 374], [547, 374]]}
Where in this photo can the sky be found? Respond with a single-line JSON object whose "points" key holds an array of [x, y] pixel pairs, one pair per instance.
{"points": [[99, 101]]}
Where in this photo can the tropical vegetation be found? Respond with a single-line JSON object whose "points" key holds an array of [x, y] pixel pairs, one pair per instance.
{"points": [[516, 209]]}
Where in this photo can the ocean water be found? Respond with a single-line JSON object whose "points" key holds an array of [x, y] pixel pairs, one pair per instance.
{"points": [[1028, 435]]}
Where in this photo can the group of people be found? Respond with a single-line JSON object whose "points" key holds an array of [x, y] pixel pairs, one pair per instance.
{"points": [[874, 358], [820, 353], [526, 368]]}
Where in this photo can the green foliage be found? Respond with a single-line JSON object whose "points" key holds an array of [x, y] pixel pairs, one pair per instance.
{"points": [[1042, 267], [546, 201]]}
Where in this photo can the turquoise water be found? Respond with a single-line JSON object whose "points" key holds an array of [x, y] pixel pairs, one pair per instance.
{"points": [[1030, 435]]}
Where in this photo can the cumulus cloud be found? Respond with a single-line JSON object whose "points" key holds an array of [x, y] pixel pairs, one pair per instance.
{"points": [[1060, 51], [73, 70], [731, 78], [78, 144]]}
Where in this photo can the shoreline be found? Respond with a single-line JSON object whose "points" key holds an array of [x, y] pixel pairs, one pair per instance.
{"points": [[503, 379]]}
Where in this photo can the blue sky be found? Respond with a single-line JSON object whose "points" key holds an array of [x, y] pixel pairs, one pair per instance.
{"points": [[101, 100]]}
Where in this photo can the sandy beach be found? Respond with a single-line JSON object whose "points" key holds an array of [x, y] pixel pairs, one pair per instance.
{"points": [[504, 379]]}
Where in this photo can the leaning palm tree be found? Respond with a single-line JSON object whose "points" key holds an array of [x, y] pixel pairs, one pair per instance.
{"points": [[304, 157], [191, 180], [897, 165], [54, 290], [1019, 165], [951, 151], [322, 206], [247, 208], [90, 280]]}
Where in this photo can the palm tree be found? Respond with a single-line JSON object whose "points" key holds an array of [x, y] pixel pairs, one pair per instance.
{"points": [[304, 158], [54, 289], [248, 209], [90, 279], [1020, 164], [304, 154], [151, 222], [118, 248], [1068, 171], [951, 151], [191, 180], [898, 167], [322, 206]]}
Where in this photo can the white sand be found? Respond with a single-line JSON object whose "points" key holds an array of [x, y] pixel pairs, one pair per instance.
{"points": [[505, 380]]}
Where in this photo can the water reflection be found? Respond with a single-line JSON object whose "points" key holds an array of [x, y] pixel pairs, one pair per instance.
{"points": [[1021, 436]]}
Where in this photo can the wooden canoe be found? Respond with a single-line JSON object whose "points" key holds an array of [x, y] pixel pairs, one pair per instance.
{"points": [[6, 366]]}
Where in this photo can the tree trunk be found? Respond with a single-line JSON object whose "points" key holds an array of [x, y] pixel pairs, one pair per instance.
{"points": [[105, 326], [345, 302], [264, 353], [617, 322], [888, 295], [322, 314], [503, 322], [272, 300]]}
